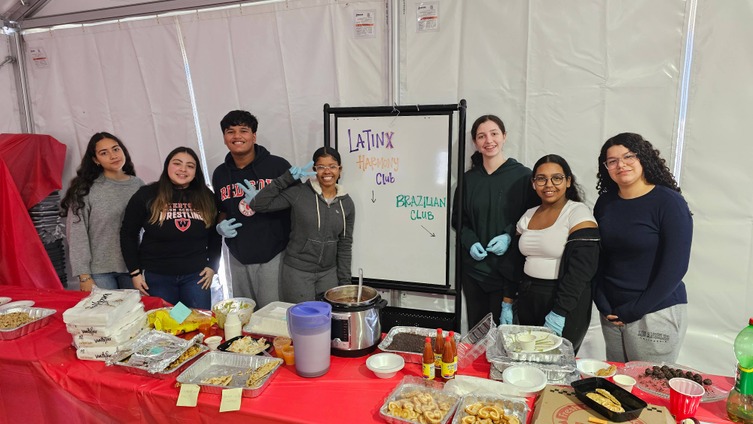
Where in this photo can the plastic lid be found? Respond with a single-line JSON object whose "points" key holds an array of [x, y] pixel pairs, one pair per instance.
{"points": [[310, 314]]}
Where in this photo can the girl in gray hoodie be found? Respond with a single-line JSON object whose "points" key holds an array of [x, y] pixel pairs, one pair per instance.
{"points": [[322, 215]]}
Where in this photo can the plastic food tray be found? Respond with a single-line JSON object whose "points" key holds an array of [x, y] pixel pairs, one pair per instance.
{"points": [[558, 365], [631, 403], [40, 317], [475, 343], [414, 385], [660, 388], [512, 406], [413, 357], [215, 364]]}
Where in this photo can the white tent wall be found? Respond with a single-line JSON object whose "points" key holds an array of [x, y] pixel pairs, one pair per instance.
{"points": [[10, 120], [716, 181], [563, 76]]}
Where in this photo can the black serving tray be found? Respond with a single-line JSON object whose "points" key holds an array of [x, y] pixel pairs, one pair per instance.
{"points": [[224, 346], [632, 404]]}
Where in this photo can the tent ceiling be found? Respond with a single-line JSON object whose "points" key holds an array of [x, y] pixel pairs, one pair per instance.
{"points": [[27, 14]]}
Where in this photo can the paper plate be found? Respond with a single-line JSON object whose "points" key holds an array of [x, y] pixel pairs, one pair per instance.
{"points": [[544, 342], [4, 300], [17, 304]]}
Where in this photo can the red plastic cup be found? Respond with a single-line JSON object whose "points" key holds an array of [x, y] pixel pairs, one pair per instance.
{"points": [[684, 397]]}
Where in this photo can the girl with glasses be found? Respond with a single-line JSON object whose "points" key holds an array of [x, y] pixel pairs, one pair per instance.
{"points": [[560, 241], [318, 256], [646, 231], [497, 190], [94, 206]]}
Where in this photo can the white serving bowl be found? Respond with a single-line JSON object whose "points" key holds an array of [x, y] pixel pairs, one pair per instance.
{"points": [[525, 379], [588, 368], [242, 305], [385, 365]]}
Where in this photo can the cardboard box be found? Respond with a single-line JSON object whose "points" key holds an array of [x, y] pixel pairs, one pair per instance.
{"points": [[558, 405]]}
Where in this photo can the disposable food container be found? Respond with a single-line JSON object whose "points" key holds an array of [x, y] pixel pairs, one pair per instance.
{"points": [[512, 406], [216, 364], [415, 390], [242, 305], [414, 357], [153, 352], [224, 346], [558, 365], [270, 320], [40, 317], [631, 403]]}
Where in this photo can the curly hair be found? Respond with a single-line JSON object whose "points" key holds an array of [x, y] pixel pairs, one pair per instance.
{"points": [[574, 192], [87, 172], [655, 169]]}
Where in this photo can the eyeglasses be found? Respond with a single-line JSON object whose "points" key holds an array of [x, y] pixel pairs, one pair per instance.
{"points": [[628, 159], [322, 168], [541, 180]]}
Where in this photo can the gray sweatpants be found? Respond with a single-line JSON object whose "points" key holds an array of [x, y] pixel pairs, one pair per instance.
{"points": [[299, 286], [260, 282], [656, 337]]}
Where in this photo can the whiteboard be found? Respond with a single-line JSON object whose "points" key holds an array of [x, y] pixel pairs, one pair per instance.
{"points": [[396, 170]]}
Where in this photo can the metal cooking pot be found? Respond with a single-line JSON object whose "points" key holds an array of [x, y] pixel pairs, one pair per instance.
{"points": [[355, 322]]}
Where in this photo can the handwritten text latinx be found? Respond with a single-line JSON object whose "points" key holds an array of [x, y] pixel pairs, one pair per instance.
{"points": [[370, 140]]}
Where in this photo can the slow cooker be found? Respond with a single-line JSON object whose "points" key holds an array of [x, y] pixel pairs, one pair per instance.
{"points": [[355, 321]]}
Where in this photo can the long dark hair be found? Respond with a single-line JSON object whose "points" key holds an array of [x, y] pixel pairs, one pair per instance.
{"points": [[655, 169], [476, 157], [574, 192], [197, 193], [87, 172]]}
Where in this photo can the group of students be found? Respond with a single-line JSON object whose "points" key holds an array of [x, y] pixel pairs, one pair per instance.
{"points": [[165, 238], [536, 255]]}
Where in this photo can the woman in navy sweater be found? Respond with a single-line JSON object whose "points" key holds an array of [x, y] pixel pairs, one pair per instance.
{"points": [[646, 231]]}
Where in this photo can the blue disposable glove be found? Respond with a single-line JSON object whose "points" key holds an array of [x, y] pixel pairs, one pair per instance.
{"points": [[300, 172], [249, 190], [227, 227], [555, 322], [477, 251], [498, 245], [506, 316]]}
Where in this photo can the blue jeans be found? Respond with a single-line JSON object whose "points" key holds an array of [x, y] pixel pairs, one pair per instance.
{"points": [[179, 288], [113, 280]]}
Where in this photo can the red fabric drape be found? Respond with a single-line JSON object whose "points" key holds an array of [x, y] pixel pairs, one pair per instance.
{"points": [[23, 260], [31, 167], [36, 163]]}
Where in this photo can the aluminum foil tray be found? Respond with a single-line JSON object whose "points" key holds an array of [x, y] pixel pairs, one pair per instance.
{"points": [[415, 389], [558, 364], [40, 316], [513, 406], [216, 364], [151, 353], [505, 342], [414, 357]]}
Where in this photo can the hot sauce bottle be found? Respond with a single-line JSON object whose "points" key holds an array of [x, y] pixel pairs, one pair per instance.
{"points": [[448, 361], [427, 368], [454, 351], [438, 347]]}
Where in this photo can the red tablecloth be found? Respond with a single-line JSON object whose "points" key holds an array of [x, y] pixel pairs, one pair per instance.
{"points": [[43, 381]]}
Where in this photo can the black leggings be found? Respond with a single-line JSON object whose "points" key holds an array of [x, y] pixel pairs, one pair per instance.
{"points": [[536, 299]]}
